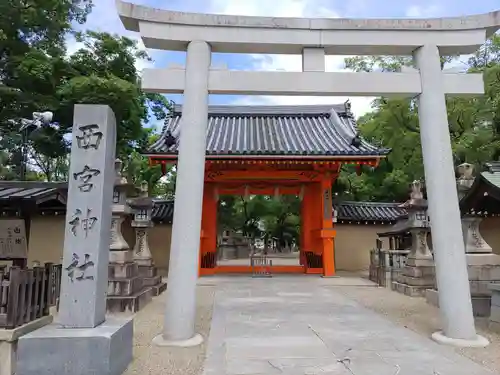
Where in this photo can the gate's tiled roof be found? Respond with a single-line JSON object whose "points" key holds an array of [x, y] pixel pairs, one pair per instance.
{"points": [[274, 130], [369, 211]]}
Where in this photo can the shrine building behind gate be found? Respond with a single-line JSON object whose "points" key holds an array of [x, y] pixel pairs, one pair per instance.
{"points": [[274, 150]]}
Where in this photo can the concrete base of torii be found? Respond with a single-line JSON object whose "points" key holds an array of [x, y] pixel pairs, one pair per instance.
{"points": [[479, 342]]}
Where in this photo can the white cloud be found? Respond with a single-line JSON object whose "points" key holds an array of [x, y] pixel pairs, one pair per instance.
{"points": [[104, 18], [289, 8]]}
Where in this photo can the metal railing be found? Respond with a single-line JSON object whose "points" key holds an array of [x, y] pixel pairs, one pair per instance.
{"points": [[261, 265]]}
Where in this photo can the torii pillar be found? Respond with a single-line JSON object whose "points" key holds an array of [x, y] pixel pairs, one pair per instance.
{"points": [[455, 303], [180, 309]]}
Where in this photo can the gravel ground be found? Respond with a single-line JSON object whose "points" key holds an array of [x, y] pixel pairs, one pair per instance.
{"points": [[415, 314], [153, 360]]}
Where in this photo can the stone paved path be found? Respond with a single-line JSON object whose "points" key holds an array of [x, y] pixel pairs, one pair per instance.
{"points": [[301, 325]]}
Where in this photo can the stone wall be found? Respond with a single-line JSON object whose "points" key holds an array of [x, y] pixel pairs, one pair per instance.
{"points": [[47, 238], [352, 244]]}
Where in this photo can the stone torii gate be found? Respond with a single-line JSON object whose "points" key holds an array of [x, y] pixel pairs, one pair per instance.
{"points": [[424, 39]]}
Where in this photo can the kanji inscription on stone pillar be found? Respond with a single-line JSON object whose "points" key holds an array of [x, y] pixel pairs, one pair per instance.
{"points": [[88, 218]]}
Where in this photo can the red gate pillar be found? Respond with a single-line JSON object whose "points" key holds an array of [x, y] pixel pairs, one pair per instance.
{"points": [[208, 243], [327, 231]]}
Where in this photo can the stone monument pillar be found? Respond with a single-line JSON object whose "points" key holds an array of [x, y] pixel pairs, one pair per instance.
{"points": [[141, 208], [125, 289], [83, 341], [449, 253], [418, 274]]}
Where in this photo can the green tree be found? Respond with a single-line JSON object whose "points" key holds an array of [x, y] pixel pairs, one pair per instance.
{"points": [[32, 36], [474, 124], [103, 72], [282, 220]]}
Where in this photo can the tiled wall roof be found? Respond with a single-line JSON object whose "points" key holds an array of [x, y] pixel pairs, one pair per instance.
{"points": [[163, 211], [369, 211]]}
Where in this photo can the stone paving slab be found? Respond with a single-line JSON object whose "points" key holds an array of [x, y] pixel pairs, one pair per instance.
{"points": [[302, 326]]}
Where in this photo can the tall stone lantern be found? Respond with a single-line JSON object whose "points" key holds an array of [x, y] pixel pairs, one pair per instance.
{"points": [[419, 227], [119, 248], [141, 209], [418, 275], [125, 288]]}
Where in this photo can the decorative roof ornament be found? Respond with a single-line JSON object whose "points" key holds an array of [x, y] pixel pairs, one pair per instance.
{"points": [[347, 106], [170, 140], [356, 141]]}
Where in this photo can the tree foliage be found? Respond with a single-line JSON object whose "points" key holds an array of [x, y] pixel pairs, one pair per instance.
{"points": [[36, 74], [261, 216], [474, 124]]}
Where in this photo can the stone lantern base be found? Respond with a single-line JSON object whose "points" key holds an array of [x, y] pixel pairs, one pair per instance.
{"points": [[150, 278], [417, 276], [127, 291]]}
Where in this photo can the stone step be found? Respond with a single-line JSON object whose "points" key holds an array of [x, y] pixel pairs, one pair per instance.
{"points": [[417, 281], [420, 271], [147, 271], [159, 289], [151, 281], [124, 287], [133, 303], [122, 270], [409, 290]]}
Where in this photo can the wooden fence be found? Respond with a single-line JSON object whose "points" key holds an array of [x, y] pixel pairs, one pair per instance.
{"points": [[28, 294]]}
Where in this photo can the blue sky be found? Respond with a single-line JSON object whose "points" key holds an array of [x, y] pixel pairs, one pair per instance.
{"points": [[104, 18]]}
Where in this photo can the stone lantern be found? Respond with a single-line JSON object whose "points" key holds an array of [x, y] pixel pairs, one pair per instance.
{"points": [[141, 209], [418, 275], [119, 248], [419, 227], [126, 291]]}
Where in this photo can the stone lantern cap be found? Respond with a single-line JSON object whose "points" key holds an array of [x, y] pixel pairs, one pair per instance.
{"points": [[143, 201], [416, 201]]}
